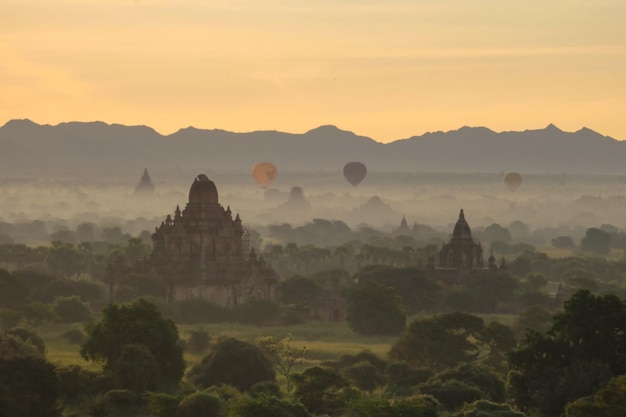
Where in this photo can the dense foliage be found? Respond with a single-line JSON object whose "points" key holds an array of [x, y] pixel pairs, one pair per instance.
{"points": [[139, 323], [233, 362], [583, 349]]}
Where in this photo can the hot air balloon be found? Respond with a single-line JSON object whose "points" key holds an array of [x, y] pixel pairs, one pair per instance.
{"points": [[264, 173], [354, 172], [512, 180]]}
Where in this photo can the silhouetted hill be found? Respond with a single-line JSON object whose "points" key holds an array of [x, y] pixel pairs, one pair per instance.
{"points": [[97, 149]]}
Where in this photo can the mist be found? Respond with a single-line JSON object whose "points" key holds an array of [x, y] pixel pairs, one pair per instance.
{"points": [[547, 205]]}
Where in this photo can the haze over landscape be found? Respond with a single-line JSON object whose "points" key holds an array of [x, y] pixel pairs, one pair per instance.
{"points": [[336, 208]]}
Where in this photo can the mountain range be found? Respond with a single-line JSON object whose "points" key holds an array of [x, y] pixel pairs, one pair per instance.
{"points": [[93, 149]]}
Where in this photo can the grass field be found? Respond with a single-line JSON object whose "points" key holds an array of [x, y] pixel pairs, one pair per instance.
{"points": [[324, 341]]}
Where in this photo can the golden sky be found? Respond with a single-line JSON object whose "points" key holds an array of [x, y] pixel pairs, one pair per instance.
{"points": [[384, 69]]}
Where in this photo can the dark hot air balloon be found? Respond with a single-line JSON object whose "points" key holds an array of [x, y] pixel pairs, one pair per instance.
{"points": [[354, 172], [264, 173], [512, 180]]}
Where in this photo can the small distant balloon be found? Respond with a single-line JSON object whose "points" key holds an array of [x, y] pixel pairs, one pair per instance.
{"points": [[354, 172], [264, 173], [512, 180]]}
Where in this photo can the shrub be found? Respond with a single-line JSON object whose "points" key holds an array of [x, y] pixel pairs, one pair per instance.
{"points": [[72, 309], [233, 362], [162, 404], [199, 404], [30, 337], [121, 398]]}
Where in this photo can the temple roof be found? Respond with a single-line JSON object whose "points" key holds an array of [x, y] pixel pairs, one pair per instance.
{"points": [[461, 229], [203, 191]]}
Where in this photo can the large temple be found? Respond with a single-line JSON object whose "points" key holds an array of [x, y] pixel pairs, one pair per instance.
{"points": [[202, 252], [462, 256]]}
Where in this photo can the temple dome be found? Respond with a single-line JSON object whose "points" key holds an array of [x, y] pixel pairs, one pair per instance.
{"points": [[461, 229], [203, 191]]}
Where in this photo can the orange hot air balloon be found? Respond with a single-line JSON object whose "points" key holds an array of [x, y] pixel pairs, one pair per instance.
{"points": [[354, 172], [512, 180], [264, 173]]}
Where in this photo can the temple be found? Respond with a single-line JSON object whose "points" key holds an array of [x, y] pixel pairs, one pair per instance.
{"points": [[462, 256], [202, 252], [145, 185]]}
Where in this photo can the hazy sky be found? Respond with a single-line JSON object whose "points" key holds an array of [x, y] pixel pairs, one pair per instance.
{"points": [[384, 69]]}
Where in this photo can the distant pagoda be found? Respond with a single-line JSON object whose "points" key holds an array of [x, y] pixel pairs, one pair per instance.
{"points": [[145, 185]]}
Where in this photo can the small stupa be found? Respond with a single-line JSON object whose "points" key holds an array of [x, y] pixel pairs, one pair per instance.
{"points": [[145, 185]]}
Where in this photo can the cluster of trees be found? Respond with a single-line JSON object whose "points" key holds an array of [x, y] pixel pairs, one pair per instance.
{"points": [[447, 361], [452, 364]]}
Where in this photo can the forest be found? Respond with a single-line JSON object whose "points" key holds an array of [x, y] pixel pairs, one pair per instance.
{"points": [[544, 339]]}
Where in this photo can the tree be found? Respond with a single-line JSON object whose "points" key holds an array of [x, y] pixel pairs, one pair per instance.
{"points": [[449, 339], [265, 406], [233, 362], [64, 259], [136, 323], [300, 291], [322, 390], [609, 401], [200, 404], [375, 309], [365, 376], [285, 355], [584, 347], [72, 309], [28, 387], [484, 408], [495, 232], [418, 292], [379, 406], [482, 377], [12, 292], [137, 369], [596, 241], [491, 289]]}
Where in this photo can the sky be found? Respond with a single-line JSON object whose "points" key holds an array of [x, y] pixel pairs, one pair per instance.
{"points": [[384, 69]]}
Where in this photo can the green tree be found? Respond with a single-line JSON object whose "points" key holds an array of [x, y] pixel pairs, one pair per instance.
{"points": [[285, 355], [484, 408], [375, 309], [418, 292], [137, 369], [487, 380], [233, 362], [265, 406], [452, 394], [584, 347], [609, 401], [28, 387], [365, 376], [447, 340], [200, 404], [136, 323], [12, 292], [72, 309], [323, 390], [65, 260], [379, 406], [596, 241], [300, 291]]}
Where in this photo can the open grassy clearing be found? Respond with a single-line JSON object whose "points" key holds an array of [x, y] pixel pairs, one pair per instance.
{"points": [[324, 341]]}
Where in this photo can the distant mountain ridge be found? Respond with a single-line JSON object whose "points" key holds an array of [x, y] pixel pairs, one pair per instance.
{"points": [[92, 149]]}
